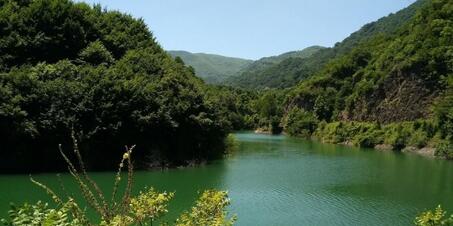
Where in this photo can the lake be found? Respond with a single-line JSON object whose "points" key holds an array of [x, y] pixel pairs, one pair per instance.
{"points": [[279, 180]]}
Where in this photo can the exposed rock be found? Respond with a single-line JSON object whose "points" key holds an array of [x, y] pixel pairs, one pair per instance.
{"points": [[383, 147], [426, 151], [400, 97], [348, 143], [262, 131]]}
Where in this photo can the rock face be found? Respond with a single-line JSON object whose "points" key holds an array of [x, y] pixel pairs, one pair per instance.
{"points": [[426, 151], [400, 97]]}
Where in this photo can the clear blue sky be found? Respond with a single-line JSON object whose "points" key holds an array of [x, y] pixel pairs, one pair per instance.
{"points": [[253, 28]]}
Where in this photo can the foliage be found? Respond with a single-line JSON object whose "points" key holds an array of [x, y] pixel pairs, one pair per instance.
{"points": [[366, 134], [444, 110], [96, 53], [300, 123], [288, 69], [144, 209], [390, 77], [393, 87], [235, 107], [269, 110], [280, 71], [247, 109], [434, 218], [213, 69], [208, 210], [40, 214], [67, 65], [444, 149]]}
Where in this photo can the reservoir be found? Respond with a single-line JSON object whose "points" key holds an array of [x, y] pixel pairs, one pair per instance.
{"points": [[279, 180]]}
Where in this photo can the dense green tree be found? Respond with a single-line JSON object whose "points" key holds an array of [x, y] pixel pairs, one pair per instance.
{"points": [[71, 67], [388, 79], [300, 123], [96, 53]]}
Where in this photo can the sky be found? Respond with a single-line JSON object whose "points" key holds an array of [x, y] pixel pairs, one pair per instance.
{"points": [[253, 29]]}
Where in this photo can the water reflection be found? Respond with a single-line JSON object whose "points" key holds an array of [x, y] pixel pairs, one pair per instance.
{"points": [[277, 180]]}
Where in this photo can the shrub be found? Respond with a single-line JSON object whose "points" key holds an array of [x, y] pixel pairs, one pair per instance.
{"points": [[300, 122], [444, 149], [208, 210], [434, 218], [144, 209], [418, 138]]}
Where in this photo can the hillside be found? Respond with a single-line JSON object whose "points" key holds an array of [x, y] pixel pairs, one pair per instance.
{"points": [[403, 80], [288, 73], [272, 71], [210, 67], [72, 70]]}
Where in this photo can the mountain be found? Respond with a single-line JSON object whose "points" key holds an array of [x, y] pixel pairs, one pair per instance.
{"points": [[272, 71], [288, 72], [210, 67], [393, 90], [391, 77]]}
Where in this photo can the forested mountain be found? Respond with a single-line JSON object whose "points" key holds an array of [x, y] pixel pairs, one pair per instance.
{"points": [[68, 67], [210, 67], [388, 79], [289, 72], [273, 71]]}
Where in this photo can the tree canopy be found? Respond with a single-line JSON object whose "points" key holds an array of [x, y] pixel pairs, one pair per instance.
{"points": [[69, 66]]}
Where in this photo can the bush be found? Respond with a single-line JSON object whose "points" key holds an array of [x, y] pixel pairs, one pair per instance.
{"points": [[434, 218], [444, 149], [300, 122], [418, 138], [144, 209]]}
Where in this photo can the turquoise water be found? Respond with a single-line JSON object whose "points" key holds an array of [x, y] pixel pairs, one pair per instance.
{"points": [[278, 180]]}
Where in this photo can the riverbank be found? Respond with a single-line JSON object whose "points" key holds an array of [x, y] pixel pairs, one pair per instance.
{"points": [[419, 137], [429, 152]]}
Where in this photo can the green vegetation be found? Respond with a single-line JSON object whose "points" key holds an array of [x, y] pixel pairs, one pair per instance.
{"points": [[144, 209], [235, 107], [67, 66], [210, 67], [247, 109], [280, 71], [102, 74], [300, 122], [396, 136], [289, 69], [393, 89], [434, 218], [269, 110]]}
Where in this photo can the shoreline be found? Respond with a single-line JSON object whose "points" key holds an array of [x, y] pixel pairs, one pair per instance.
{"points": [[426, 151]]}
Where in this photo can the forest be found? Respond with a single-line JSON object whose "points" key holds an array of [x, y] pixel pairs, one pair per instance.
{"points": [[71, 68], [393, 89], [81, 77]]}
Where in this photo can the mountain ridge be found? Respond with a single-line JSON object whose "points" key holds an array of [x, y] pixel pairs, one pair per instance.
{"points": [[213, 68], [280, 76]]}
